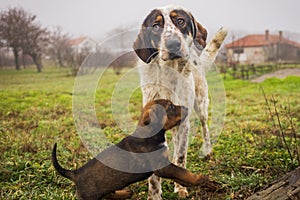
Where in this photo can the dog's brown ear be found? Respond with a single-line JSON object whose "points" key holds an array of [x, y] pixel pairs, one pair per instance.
{"points": [[199, 34], [143, 47]]}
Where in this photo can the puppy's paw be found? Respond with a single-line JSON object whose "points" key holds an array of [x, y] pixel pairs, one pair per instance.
{"points": [[120, 194], [205, 182]]}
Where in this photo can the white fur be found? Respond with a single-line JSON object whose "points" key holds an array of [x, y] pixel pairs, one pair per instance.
{"points": [[183, 82]]}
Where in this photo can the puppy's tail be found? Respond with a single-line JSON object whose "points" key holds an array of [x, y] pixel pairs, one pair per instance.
{"points": [[64, 172]]}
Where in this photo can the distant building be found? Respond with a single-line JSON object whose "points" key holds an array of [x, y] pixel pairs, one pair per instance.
{"points": [[262, 48], [82, 44]]}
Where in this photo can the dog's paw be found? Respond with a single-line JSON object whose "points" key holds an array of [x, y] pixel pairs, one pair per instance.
{"points": [[208, 151], [120, 194], [207, 157], [181, 191], [205, 182]]}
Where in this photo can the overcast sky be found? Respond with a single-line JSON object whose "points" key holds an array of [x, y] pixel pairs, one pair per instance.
{"points": [[96, 18]]}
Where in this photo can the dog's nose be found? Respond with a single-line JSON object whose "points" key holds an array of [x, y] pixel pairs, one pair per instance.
{"points": [[173, 45]]}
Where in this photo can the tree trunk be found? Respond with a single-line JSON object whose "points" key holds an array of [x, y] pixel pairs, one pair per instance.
{"points": [[59, 58], [23, 60], [37, 61], [285, 188], [16, 55]]}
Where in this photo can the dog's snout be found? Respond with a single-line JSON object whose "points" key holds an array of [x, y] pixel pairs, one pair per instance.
{"points": [[173, 45]]}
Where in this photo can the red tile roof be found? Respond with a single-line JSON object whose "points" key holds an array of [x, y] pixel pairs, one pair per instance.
{"points": [[257, 40], [77, 41]]}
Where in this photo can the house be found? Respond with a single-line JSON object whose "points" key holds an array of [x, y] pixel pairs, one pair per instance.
{"points": [[82, 44], [263, 48]]}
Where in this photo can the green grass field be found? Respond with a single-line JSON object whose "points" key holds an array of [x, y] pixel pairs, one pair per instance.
{"points": [[258, 143]]}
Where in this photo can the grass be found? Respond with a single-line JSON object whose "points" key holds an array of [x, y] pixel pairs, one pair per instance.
{"points": [[36, 112]]}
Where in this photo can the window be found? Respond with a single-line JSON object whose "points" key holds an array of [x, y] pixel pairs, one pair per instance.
{"points": [[238, 50]]}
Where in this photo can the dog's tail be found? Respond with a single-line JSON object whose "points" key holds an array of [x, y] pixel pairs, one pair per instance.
{"points": [[64, 172], [212, 48]]}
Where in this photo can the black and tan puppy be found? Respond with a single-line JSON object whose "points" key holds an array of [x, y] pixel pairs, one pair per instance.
{"points": [[135, 158]]}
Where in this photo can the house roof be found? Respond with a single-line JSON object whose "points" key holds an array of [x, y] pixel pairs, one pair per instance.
{"points": [[258, 40], [77, 41]]}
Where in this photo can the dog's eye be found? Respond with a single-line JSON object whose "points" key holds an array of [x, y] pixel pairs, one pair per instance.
{"points": [[156, 27], [172, 107], [180, 22]]}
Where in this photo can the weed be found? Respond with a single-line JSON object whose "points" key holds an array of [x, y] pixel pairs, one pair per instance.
{"points": [[36, 112]]}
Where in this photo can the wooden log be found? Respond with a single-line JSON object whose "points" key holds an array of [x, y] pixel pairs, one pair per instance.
{"points": [[285, 188]]}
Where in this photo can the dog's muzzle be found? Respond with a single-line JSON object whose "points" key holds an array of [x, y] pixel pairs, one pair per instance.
{"points": [[173, 46]]}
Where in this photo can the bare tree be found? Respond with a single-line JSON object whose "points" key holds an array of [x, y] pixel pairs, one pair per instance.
{"points": [[10, 31], [34, 43], [19, 31], [59, 46]]}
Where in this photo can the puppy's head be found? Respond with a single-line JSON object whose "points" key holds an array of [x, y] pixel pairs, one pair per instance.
{"points": [[168, 33], [163, 114]]}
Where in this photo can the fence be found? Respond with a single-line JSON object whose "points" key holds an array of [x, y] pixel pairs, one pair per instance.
{"points": [[247, 72]]}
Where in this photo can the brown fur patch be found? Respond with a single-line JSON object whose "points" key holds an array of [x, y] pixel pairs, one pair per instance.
{"points": [[159, 18], [174, 14]]}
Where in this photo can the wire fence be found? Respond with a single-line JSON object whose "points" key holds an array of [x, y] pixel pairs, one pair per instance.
{"points": [[247, 72]]}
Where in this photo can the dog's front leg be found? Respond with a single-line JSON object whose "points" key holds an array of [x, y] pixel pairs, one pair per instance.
{"points": [[183, 176], [154, 190], [180, 141]]}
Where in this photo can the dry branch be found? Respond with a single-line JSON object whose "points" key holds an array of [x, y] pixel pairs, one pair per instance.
{"points": [[285, 188]]}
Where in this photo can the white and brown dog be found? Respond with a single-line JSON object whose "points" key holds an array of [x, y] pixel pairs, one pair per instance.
{"points": [[173, 46]]}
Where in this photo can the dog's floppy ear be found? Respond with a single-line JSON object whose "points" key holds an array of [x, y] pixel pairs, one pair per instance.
{"points": [[199, 34], [154, 115], [142, 46]]}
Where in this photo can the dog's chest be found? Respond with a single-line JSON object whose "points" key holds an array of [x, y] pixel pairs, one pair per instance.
{"points": [[174, 82]]}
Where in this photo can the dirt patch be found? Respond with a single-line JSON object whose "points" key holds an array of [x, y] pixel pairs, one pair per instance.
{"points": [[278, 74]]}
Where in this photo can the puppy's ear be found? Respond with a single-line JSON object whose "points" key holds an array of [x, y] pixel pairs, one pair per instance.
{"points": [[142, 46], [199, 34]]}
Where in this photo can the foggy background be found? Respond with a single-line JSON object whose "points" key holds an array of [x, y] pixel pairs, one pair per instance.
{"points": [[96, 18]]}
